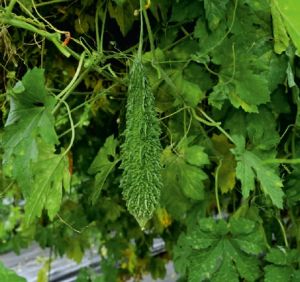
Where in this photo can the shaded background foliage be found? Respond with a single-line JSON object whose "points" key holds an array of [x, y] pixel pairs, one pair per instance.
{"points": [[225, 75]]}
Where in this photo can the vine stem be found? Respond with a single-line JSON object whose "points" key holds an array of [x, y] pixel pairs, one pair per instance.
{"points": [[211, 122], [11, 5], [30, 14], [99, 39], [72, 129], [50, 2], [216, 189], [74, 77], [152, 46], [53, 37], [6, 189], [68, 224], [283, 232], [174, 113], [80, 78], [91, 100], [150, 34], [68, 89]]}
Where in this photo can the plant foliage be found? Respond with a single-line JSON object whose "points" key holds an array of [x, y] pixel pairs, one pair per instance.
{"points": [[194, 137]]}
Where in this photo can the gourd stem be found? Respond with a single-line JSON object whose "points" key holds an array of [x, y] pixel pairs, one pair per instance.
{"points": [[150, 34], [141, 31]]}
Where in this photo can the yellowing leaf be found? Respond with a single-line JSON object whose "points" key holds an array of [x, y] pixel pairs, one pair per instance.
{"points": [[43, 272], [131, 259], [163, 217], [74, 251], [81, 25], [226, 176]]}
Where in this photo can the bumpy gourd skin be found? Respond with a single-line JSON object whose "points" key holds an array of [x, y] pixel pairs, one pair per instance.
{"points": [[141, 179]]}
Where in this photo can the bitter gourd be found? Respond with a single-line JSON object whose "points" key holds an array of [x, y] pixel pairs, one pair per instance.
{"points": [[141, 179]]}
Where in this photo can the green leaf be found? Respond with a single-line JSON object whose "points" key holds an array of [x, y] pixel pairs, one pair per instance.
{"points": [[251, 167], [238, 85], [29, 119], [194, 155], [214, 249], [183, 177], [296, 276], [51, 174], [242, 70], [123, 13], [289, 10], [208, 41], [120, 2], [263, 135], [283, 265], [184, 169], [103, 165], [277, 273], [292, 191], [243, 228], [281, 256], [160, 9], [7, 275], [277, 256], [246, 83], [215, 11], [280, 35], [185, 10], [188, 93]]}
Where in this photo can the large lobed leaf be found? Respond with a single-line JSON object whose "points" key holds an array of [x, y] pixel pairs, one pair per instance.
{"points": [[251, 167], [183, 177], [50, 175], [29, 141], [281, 265], [29, 119], [220, 251]]}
